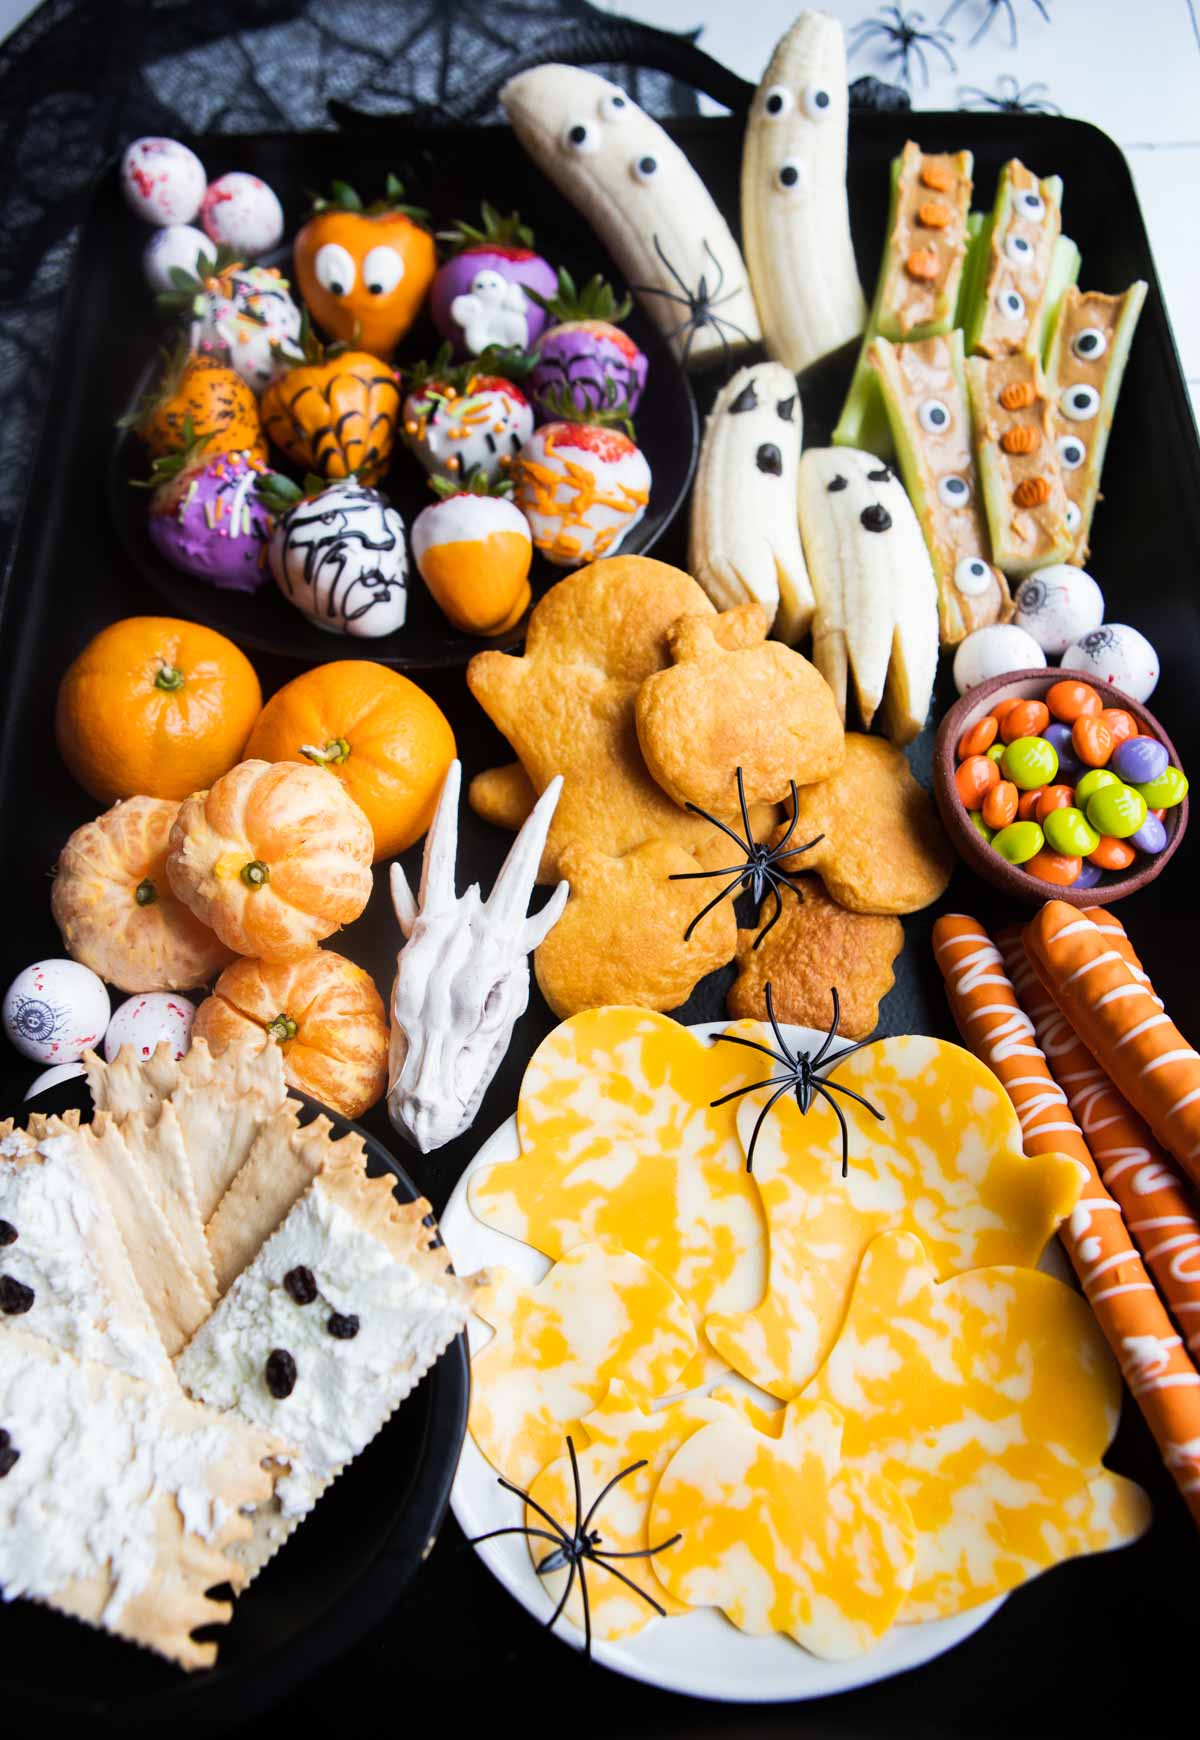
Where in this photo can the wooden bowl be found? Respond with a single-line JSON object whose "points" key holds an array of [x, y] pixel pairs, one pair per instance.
{"points": [[1011, 879]]}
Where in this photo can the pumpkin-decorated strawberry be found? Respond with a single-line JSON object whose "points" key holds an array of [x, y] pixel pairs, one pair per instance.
{"points": [[334, 412], [364, 272], [582, 483], [199, 395], [466, 420], [473, 549], [585, 352], [478, 299], [244, 315]]}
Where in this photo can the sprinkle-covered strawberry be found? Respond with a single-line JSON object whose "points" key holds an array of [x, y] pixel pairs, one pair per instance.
{"points": [[585, 352], [473, 549], [207, 516], [201, 392], [478, 300], [582, 484], [243, 314], [466, 420]]}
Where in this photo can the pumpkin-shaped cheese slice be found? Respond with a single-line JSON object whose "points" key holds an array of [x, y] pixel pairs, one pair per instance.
{"points": [[116, 909], [276, 856]]}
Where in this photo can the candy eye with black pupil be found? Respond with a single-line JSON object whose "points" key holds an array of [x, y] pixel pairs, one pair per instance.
{"points": [[1090, 343], [613, 106], [1073, 516], [1071, 452], [933, 416], [645, 168], [1011, 304], [1080, 403], [334, 269], [1019, 249], [953, 490], [382, 270], [777, 101], [972, 576], [1031, 205], [817, 102], [790, 175], [875, 518], [579, 137], [769, 459]]}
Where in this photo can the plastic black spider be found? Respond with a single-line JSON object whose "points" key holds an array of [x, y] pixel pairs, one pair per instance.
{"points": [[580, 1546], [907, 41], [760, 870], [699, 303], [800, 1077], [992, 10], [1009, 97]]}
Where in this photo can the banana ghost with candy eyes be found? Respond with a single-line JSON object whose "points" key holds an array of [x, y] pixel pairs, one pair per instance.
{"points": [[795, 216], [644, 201]]}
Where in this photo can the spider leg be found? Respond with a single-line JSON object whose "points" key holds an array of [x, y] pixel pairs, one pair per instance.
{"points": [[638, 1552], [683, 326], [786, 1049], [839, 1087], [791, 827], [564, 1597], [795, 851], [587, 1613], [604, 1492], [774, 920], [718, 823], [719, 320], [720, 283], [656, 290], [948, 14], [819, 1087], [705, 910], [516, 1529], [751, 1087], [658, 249], [1041, 8], [578, 1490], [919, 56], [831, 1035], [689, 341], [741, 785], [702, 875], [758, 1122], [936, 42], [849, 1050], [628, 1581], [534, 1505], [752, 1044]]}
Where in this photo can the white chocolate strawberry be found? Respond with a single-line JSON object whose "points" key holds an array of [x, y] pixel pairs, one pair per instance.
{"points": [[583, 488], [473, 551], [456, 432]]}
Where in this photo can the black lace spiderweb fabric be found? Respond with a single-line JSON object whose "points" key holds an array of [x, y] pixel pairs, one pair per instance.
{"points": [[81, 78]]}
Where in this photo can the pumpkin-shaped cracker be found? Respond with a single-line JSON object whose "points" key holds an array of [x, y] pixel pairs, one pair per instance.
{"points": [[117, 911], [323, 1012], [334, 413], [275, 857]]}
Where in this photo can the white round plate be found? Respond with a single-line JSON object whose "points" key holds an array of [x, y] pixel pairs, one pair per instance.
{"points": [[700, 1653]]}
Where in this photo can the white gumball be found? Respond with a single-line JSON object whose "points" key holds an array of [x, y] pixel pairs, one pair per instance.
{"points": [[1058, 605], [179, 246], [50, 1078], [163, 181], [55, 1010], [244, 213], [1115, 654], [144, 1021], [993, 652]]}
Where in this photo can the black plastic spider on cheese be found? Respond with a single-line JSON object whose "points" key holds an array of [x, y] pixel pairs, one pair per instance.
{"points": [[578, 1546], [799, 1077], [1009, 98], [760, 870], [906, 39], [699, 302], [992, 11]]}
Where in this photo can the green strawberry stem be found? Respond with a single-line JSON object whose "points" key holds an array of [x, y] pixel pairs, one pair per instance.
{"points": [[560, 401], [343, 197], [168, 466], [595, 301], [506, 232], [477, 483]]}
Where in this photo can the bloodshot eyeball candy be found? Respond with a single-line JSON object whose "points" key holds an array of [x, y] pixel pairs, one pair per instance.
{"points": [[243, 213], [163, 181], [144, 1020], [1116, 654], [55, 1010], [1057, 605]]}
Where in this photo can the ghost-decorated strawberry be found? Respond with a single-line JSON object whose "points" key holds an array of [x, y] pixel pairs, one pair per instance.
{"points": [[585, 352], [459, 421], [478, 300], [473, 549], [582, 483]]}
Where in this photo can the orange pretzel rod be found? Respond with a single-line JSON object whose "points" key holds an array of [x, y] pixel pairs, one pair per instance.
{"points": [[1157, 1208], [1152, 1357], [1122, 1024]]}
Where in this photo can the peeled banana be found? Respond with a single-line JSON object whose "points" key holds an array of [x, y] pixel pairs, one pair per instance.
{"points": [[745, 542]]}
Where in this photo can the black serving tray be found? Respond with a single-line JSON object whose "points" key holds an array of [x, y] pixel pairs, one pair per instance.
{"points": [[1099, 1646]]}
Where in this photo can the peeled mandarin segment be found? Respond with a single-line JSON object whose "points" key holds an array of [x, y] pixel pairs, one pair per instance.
{"points": [[989, 1399], [946, 1161], [782, 1537], [599, 1313]]}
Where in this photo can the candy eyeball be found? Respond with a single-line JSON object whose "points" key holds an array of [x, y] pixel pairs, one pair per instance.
{"points": [[790, 175], [1019, 250], [1071, 452], [933, 416], [994, 652], [1011, 304], [1079, 403], [177, 247], [334, 269], [777, 101], [645, 168], [1118, 655], [382, 271], [953, 491], [55, 1010], [1031, 205], [818, 102], [1058, 605], [1089, 344], [614, 106], [144, 1021], [581, 139], [244, 213], [972, 576], [163, 181]]}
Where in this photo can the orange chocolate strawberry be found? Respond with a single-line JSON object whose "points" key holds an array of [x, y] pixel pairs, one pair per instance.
{"points": [[199, 393], [364, 271], [473, 550], [335, 413]]}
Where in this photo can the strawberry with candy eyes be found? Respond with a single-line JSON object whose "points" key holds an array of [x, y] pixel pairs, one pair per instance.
{"points": [[585, 350], [466, 420], [479, 299], [581, 482], [473, 550]]}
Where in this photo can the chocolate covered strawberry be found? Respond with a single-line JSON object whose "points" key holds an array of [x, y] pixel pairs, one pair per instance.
{"points": [[582, 484], [473, 550], [459, 421], [585, 352], [478, 300]]}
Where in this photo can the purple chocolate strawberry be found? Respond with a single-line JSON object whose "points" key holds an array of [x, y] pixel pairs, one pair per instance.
{"points": [[478, 298], [585, 354], [208, 518]]}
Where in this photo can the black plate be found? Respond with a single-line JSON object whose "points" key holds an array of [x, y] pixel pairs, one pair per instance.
{"points": [[69, 577], [337, 1575], [667, 431]]}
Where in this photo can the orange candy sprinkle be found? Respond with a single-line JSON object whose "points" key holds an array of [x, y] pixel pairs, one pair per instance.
{"points": [[1017, 394], [1005, 706], [1091, 740], [974, 777], [922, 264], [937, 176], [1053, 797], [1113, 854], [1026, 719], [1121, 725], [1054, 867], [1000, 804], [978, 738], [1070, 700], [933, 215], [1031, 492], [1027, 804], [1025, 438]]}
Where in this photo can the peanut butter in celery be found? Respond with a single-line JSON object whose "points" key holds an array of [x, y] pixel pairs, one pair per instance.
{"points": [[926, 246], [1025, 225], [1019, 471]]}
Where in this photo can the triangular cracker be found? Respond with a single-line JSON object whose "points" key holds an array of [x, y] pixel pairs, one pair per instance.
{"points": [[121, 1500], [222, 1103], [156, 1147], [132, 1083]]}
